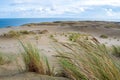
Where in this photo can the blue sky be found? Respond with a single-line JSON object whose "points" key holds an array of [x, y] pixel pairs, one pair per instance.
{"points": [[99, 9]]}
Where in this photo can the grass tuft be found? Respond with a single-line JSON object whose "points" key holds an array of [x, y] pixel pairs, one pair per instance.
{"points": [[16, 34], [77, 36], [35, 61], [74, 37], [103, 36]]}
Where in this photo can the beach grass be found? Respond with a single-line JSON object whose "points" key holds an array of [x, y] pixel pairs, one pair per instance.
{"points": [[85, 60], [16, 34], [76, 36], [35, 61], [13, 34]]}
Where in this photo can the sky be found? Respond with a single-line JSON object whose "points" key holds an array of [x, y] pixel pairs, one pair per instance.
{"points": [[97, 9]]}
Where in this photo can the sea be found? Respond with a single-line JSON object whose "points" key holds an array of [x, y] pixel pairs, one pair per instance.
{"points": [[8, 22]]}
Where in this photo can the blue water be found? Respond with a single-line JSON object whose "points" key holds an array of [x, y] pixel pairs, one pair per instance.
{"points": [[5, 22]]}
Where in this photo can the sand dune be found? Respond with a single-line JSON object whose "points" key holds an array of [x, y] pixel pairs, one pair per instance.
{"points": [[59, 29]]}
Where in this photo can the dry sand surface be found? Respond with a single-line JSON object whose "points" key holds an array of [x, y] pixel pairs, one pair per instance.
{"points": [[12, 47]]}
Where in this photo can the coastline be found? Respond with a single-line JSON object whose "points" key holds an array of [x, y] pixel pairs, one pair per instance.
{"points": [[7, 22]]}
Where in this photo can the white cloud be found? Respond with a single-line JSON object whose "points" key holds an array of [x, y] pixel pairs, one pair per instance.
{"points": [[98, 2], [60, 7], [112, 13], [23, 1], [65, 6], [50, 7], [109, 12]]}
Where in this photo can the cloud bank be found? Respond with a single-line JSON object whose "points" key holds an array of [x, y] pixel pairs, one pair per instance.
{"points": [[108, 9]]}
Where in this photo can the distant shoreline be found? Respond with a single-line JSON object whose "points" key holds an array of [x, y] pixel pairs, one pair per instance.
{"points": [[10, 22]]}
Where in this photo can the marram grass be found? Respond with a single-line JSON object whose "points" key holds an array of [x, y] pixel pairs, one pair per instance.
{"points": [[35, 61], [87, 61]]}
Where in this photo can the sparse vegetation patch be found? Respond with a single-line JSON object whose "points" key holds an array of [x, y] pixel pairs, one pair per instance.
{"points": [[76, 36], [103, 36], [15, 34]]}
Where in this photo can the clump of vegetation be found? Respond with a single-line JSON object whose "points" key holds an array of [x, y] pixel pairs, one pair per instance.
{"points": [[51, 36], [103, 36], [44, 32], [24, 32], [30, 24], [57, 21], [76, 36], [15, 34], [66, 35], [116, 50], [35, 61], [12, 34], [84, 60], [108, 26]]}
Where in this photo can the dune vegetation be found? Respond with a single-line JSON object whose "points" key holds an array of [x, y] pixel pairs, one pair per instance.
{"points": [[87, 61], [18, 33], [103, 36], [15, 34], [76, 36], [81, 58], [35, 61]]}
